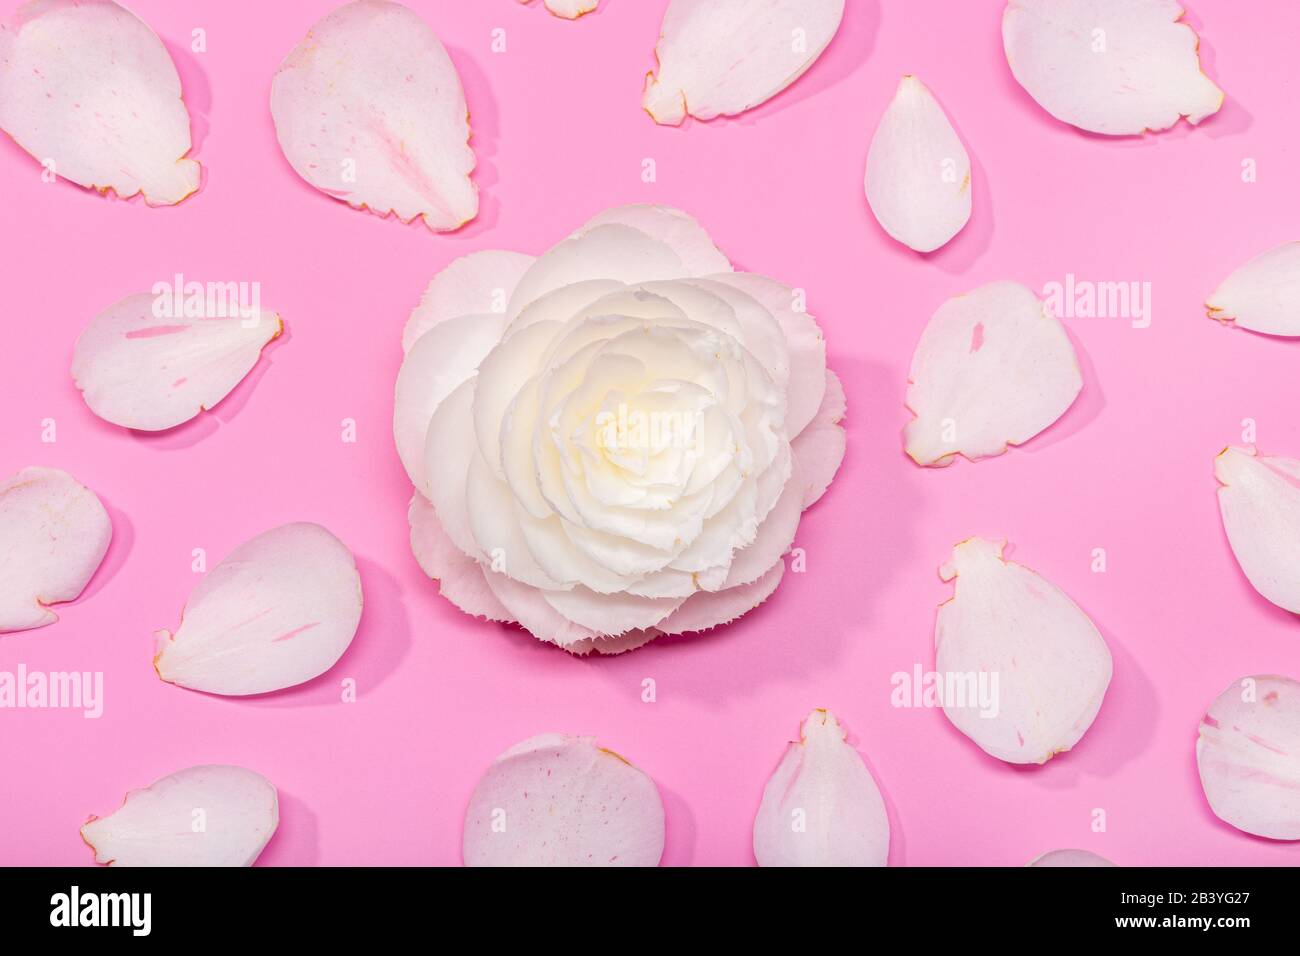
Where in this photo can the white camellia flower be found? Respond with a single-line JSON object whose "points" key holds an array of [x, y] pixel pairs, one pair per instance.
{"points": [[615, 440]]}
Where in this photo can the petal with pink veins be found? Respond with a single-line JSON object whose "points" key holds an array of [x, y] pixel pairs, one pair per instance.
{"points": [[1248, 755], [369, 109], [149, 372], [90, 91], [279, 610], [55, 533], [202, 816]]}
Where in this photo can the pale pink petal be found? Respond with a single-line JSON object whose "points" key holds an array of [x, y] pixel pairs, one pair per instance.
{"points": [[1263, 295], [819, 448], [1248, 754], [202, 816], [1119, 67], [722, 57], [279, 610], [446, 356], [569, 9], [821, 807], [460, 578], [705, 610], [993, 368], [480, 283], [369, 109], [556, 800], [1259, 501], [149, 371], [918, 173], [1069, 858], [90, 91], [54, 534], [1007, 625]]}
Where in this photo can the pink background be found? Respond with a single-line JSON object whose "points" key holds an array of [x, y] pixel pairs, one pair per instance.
{"points": [[560, 135]]}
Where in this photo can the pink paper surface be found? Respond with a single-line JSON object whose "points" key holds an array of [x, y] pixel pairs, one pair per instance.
{"points": [[560, 135]]}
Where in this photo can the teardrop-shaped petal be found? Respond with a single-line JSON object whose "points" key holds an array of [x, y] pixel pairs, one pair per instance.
{"points": [[279, 610], [1259, 502], [918, 173], [55, 533], [149, 371], [1248, 755], [89, 90], [722, 57], [993, 368], [201, 816], [1119, 67], [821, 807], [1069, 858], [369, 109], [1027, 668], [556, 800], [1263, 295], [480, 283]]}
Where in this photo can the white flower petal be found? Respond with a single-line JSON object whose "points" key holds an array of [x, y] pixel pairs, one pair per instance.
{"points": [[918, 173], [55, 534], [569, 9], [672, 227], [706, 610], [141, 371], [504, 369], [89, 90], [443, 359], [609, 615], [1010, 625], [807, 347], [279, 610], [369, 109], [556, 800], [156, 826], [1259, 502], [448, 449], [496, 528], [1119, 67], [1263, 295], [612, 252], [993, 368], [722, 57], [461, 579], [480, 283], [1069, 858], [1248, 755], [819, 448], [821, 807]]}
